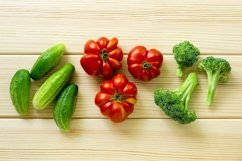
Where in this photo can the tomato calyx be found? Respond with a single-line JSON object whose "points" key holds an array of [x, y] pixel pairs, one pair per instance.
{"points": [[118, 97], [104, 54], [146, 65]]}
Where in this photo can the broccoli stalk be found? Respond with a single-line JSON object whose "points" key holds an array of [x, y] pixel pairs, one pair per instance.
{"points": [[216, 69], [185, 54], [179, 71], [175, 103], [213, 79]]}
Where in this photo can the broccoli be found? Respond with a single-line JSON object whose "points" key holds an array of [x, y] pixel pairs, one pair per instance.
{"points": [[216, 69], [175, 103], [185, 54]]}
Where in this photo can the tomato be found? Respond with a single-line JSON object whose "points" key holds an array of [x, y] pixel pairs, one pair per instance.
{"points": [[116, 98], [144, 64], [102, 57]]}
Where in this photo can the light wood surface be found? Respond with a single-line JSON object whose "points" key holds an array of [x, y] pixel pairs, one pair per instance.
{"points": [[29, 27], [135, 139], [215, 26], [227, 103]]}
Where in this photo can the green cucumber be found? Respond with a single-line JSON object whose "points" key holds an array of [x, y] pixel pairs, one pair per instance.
{"points": [[52, 87], [47, 61], [19, 91], [65, 107]]}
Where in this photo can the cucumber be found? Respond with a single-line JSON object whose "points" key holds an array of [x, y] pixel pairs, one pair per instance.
{"points": [[19, 91], [46, 61], [65, 107], [52, 87]]}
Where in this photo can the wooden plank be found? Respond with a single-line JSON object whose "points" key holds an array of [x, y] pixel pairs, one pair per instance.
{"points": [[227, 103], [138, 139], [29, 27]]}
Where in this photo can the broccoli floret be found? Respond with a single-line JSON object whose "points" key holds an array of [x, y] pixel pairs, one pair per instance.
{"points": [[216, 69], [185, 54], [175, 103]]}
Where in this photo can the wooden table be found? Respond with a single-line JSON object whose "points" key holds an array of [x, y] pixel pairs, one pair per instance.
{"points": [[29, 27]]}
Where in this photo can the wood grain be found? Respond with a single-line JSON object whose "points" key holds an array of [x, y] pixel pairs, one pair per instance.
{"points": [[30, 26], [226, 104], [99, 139]]}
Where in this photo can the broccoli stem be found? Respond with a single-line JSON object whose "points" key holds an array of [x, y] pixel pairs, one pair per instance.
{"points": [[179, 71], [186, 88], [212, 84]]}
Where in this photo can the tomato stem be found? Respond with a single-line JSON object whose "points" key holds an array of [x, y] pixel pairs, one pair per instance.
{"points": [[146, 65], [118, 97], [104, 54]]}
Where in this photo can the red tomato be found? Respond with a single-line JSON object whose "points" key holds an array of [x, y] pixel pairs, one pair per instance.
{"points": [[102, 57], [116, 98], [144, 64]]}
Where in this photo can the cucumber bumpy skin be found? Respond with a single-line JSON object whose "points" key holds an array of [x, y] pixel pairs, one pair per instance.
{"points": [[20, 90], [65, 107], [47, 61], [52, 87]]}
